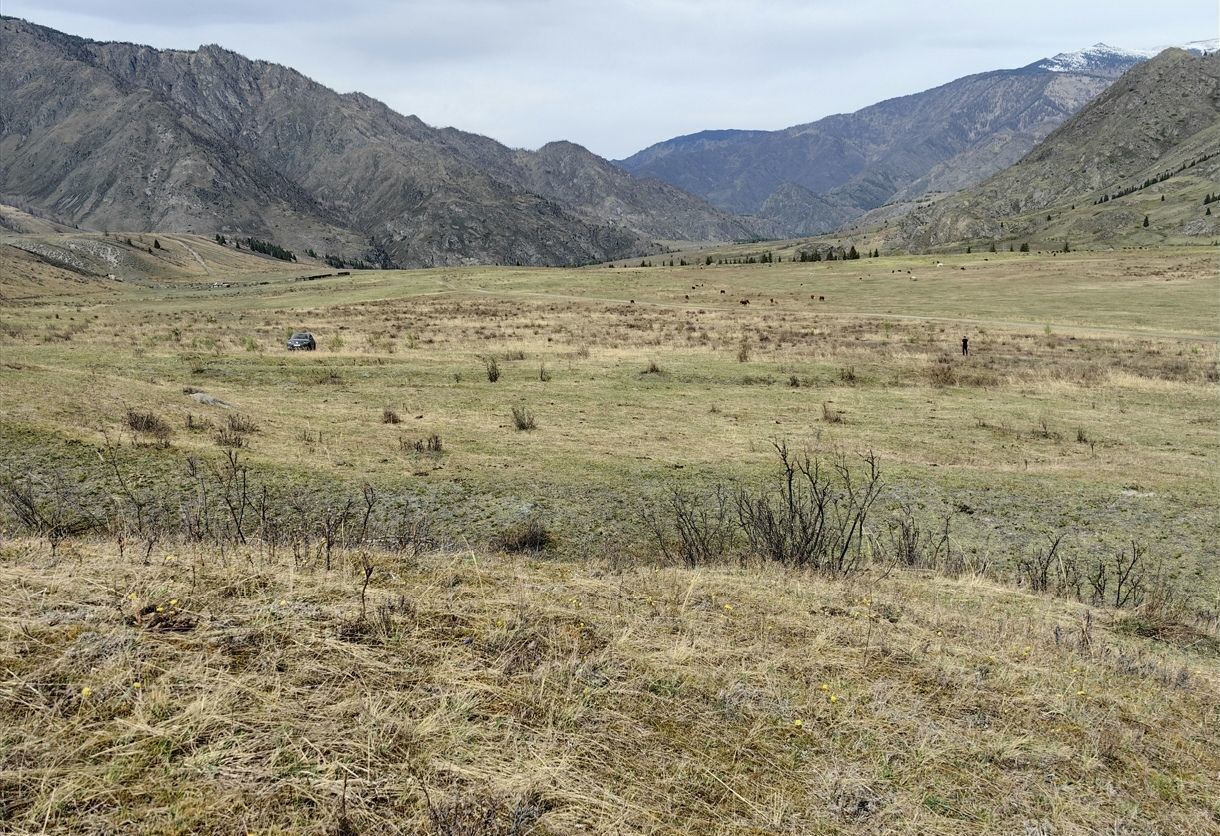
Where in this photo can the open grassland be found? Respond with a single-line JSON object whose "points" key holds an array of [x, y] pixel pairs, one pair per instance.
{"points": [[1087, 404], [593, 686]]}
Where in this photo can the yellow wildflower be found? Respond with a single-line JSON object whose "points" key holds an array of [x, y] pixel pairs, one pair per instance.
{"points": [[798, 723], [86, 692]]}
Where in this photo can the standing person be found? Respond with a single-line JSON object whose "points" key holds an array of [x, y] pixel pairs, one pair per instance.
{"points": [[965, 346]]}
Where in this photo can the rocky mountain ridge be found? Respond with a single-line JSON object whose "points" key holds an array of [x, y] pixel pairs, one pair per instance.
{"points": [[1147, 148], [816, 177], [123, 136]]}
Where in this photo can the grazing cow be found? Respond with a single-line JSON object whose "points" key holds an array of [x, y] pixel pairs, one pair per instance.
{"points": [[745, 301]]}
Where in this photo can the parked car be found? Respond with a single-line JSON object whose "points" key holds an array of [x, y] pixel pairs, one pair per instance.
{"points": [[302, 341]]}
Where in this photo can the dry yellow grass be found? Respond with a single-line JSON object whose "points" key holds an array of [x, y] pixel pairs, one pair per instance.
{"points": [[582, 698], [594, 690]]}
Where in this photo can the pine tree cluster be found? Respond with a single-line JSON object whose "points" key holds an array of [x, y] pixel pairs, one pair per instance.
{"points": [[267, 248]]}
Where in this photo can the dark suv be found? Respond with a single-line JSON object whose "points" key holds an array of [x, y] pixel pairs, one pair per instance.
{"points": [[302, 341]]}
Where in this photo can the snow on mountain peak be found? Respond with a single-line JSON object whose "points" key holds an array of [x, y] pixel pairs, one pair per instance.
{"points": [[1097, 57], [1105, 59]]}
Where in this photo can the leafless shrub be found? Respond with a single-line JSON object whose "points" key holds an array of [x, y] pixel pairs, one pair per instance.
{"points": [[847, 374], [743, 350], [1043, 430], [913, 544], [137, 512], [523, 419], [409, 532], [226, 437], [194, 424], [492, 368], [814, 516], [514, 355], [149, 424], [1122, 580], [831, 415], [331, 523], [53, 508], [243, 424], [690, 529], [389, 416], [431, 444], [364, 566], [1045, 570]]}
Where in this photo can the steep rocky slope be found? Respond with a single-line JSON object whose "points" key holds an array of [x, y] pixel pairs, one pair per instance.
{"points": [[121, 136], [1154, 133], [814, 177]]}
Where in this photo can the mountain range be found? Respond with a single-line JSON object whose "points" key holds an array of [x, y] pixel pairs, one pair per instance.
{"points": [[1137, 160], [815, 177], [127, 137], [123, 137]]}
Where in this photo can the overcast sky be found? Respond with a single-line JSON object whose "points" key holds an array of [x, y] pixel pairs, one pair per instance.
{"points": [[619, 75]]}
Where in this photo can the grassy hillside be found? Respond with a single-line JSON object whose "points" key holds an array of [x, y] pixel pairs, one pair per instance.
{"points": [[1154, 131], [493, 695]]}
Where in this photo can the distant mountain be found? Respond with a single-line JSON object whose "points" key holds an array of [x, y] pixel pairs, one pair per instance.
{"points": [[1155, 132], [815, 177], [1110, 59], [127, 137]]}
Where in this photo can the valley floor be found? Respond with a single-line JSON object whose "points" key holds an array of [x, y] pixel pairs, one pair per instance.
{"points": [[431, 679]]}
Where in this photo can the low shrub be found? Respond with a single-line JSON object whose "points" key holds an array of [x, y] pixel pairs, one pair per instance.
{"points": [[523, 419], [527, 536], [243, 424], [148, 423]]}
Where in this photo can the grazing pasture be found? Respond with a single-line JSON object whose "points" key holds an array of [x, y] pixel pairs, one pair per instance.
{"points": [[441, 574]]}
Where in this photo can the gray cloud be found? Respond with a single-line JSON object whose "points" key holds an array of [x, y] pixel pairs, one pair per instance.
{"points": [[621, 74]]}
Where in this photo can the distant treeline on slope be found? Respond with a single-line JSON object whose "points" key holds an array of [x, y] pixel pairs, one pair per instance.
{"points": [[259, 246], [1152, 181]]}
